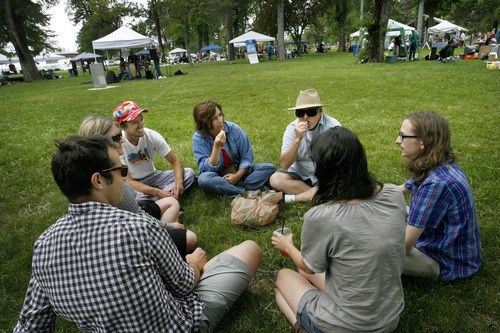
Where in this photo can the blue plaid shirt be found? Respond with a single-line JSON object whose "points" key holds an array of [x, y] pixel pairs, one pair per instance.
{"points": [[108, 270], [444, 206]]}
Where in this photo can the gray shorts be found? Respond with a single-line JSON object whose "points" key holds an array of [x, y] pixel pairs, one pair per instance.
{"points": [[220, 287], [296, 176]]}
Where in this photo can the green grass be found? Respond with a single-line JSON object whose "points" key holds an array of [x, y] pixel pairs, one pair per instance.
{"points": [[371, 100]]}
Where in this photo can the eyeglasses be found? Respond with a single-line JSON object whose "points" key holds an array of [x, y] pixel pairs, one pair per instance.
{"points": [[117, 137], [123, 170], [402, 136], [310, 112]]}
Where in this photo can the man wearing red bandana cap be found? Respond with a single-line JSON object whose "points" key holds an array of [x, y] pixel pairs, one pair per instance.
{"points": [[139, 147]]}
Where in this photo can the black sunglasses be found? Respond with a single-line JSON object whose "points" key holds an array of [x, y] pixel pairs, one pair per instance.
{"points": [[117, 137], [310, 112], [123, 170]]}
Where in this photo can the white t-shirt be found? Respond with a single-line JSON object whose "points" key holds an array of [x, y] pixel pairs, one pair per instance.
{"points": [[139, 159]]}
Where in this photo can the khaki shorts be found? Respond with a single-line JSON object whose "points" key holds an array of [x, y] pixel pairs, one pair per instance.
{"points": [[419, 264], [220, 287]]}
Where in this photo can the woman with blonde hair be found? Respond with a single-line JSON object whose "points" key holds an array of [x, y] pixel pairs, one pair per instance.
{"points": [[166, 210], [442, 234]]}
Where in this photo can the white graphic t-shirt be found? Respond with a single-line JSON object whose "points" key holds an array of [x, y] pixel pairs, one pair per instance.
{"points": [[139, 159]]}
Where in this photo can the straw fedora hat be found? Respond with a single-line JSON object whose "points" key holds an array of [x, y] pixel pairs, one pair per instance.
{"points": [[308, 99]]}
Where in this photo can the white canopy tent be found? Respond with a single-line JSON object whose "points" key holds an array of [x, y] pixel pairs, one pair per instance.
{"points": [[48, 56], [177, 50], [394, 28], [4, 59], [445, 27], [251, 35], [122, 38]]}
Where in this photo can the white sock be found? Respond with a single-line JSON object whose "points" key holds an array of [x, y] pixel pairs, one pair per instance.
{"points": [[289, 198]]}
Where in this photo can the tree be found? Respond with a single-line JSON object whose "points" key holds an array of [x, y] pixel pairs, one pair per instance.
{"points": [[98, 18], [281, 29], [341, 14], [299, 14], [155, 11], [376, 30], [179, 10], [23, 23]]}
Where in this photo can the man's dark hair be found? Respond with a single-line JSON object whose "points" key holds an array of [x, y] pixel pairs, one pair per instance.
{"points": [[77, 158], [341, 167]]}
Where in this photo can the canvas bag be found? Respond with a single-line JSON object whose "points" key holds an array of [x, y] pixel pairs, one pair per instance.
{"points": [[255, 212]]}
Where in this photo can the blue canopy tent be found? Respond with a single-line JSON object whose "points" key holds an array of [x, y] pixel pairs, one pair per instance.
{"points": [[143, 52], [303, 41], [212, 47]]}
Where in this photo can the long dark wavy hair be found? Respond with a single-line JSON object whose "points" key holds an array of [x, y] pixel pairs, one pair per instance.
{"points": [[341, 167], [434, 131]]}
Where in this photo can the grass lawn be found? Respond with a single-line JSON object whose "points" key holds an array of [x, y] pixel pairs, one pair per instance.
{"points": [[371, 100]]}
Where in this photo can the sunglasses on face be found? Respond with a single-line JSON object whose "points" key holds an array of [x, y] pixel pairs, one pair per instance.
{"points": [[310, 112], [117, 137], [123, 170]]}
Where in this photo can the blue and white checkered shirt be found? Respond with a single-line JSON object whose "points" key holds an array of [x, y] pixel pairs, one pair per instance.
{"points": [[108, 270], [444, 206]]}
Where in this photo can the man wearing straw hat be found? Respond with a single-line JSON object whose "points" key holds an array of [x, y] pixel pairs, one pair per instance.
{"points": [[296, 175]]}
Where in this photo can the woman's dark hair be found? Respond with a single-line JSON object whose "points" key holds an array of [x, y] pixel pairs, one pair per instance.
{"points": [[77, 158], [203, 113], [434, 131], [341, 167]]}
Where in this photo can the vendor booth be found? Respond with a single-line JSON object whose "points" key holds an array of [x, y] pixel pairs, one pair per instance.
{"points": [[240, 41], [394, 28], [211, 48], [79, 61], [122, 38]]}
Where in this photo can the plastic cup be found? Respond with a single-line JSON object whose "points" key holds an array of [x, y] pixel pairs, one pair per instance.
{"points": [[284, 232]]}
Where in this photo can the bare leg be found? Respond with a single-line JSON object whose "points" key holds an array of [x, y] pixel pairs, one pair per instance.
{"points": [[284, 307], [317, 280], [285, 183], [249, 252], [191, 240], [290, 287], [170, 209], [307, 195]]}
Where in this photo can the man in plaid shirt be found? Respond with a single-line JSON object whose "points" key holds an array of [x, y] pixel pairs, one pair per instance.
{"points": [[109, 270]]}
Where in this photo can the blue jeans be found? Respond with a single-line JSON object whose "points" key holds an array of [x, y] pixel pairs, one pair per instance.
{"points": [[158, 71], [138, 69], [126, 71], [255, 178], [302, 315]]}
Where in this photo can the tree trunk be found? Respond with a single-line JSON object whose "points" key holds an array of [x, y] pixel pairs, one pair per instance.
{"points": [[430, 21], [156, 18], [493, 21], [186, 40], [420, 19], [341, 17], [229, 28], [17, 35], [376, 31], [281, 30]]}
